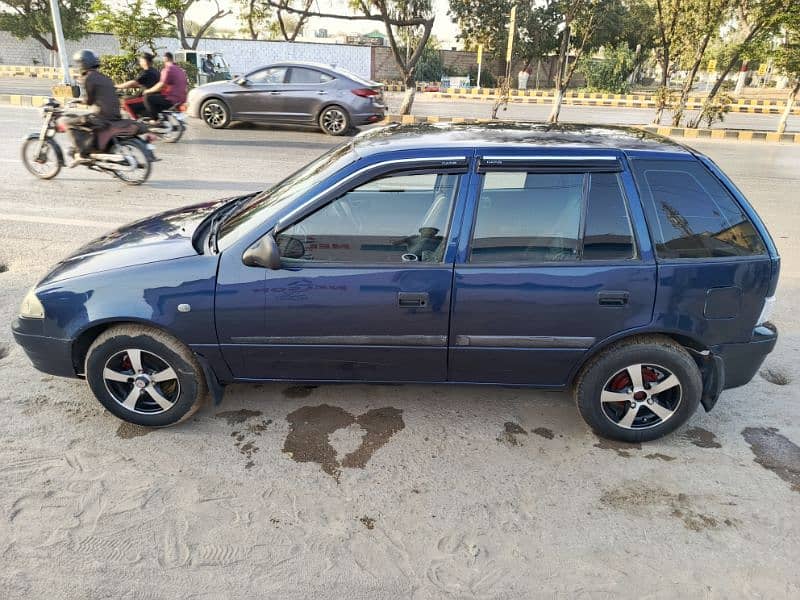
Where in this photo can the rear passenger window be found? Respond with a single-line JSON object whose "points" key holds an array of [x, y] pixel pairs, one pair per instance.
{"points": [[297, 75], [528, 217], [691, 214], [608, 233], [548, 217]]}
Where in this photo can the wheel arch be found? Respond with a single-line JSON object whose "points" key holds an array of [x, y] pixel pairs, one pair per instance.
{"points": [[695, 346], [86, 337]]}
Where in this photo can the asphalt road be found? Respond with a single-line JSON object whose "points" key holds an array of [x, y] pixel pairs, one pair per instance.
{"points": [[474, 493], [425, 105]]}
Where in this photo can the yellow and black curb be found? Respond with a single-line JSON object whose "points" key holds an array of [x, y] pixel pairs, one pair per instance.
{"points": [[38, 72], [25, 100], [735, 135], [743, 105]]}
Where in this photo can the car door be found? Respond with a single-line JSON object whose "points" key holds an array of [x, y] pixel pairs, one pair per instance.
{"points": [[363, 292], [304, 94], [258, 96], [548, 266]]}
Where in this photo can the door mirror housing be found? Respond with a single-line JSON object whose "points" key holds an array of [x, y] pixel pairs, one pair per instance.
{"points": [[264, 253], [76, 91], [241, 81]]}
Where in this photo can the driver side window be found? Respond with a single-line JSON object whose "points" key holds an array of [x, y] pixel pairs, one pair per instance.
{"points": [[391, 220]]}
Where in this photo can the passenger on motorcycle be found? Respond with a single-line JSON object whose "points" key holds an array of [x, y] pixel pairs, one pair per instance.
{"points": [[146, 79], [101, 98], [170, 90]]}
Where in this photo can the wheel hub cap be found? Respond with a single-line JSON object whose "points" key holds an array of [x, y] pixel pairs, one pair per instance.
{"points": [[641, 396], [141, 381]]}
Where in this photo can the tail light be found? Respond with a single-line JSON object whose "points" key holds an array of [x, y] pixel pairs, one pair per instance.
{"points": [[183, 107], [366, 92], [61, 127], [151, 138]]}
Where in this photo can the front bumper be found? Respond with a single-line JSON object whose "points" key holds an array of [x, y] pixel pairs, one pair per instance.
{"points": [[48, 355]]}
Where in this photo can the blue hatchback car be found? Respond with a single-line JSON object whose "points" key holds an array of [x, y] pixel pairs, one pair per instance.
{"points": [[607, 261]]}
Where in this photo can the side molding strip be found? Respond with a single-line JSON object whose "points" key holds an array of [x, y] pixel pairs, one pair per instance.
{"points": [[523, 341]]}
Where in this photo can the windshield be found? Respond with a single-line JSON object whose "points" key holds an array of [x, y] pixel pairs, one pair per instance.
{"points": [[254, 212]]}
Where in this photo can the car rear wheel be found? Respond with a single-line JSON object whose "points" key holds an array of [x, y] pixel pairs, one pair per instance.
{"points": [[334, 120], [215, 113], [144, 376], [639, 390]]}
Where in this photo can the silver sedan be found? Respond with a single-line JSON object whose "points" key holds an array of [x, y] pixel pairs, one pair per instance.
{"points": [[298, 93]]}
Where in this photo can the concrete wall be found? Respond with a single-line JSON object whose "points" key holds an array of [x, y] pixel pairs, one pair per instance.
{"points": [[242, 55]]}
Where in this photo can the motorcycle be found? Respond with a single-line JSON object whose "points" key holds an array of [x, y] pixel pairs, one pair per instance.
{"points": [[122, 149], [171, 122]]}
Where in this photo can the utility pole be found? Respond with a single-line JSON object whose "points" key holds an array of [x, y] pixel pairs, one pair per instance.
{"points": [[62, 50], [480, 60]]}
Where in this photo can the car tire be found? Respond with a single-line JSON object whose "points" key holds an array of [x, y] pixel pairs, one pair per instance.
{"points": [[215, 113], [617, 405], [167, 387], [334, 120]]}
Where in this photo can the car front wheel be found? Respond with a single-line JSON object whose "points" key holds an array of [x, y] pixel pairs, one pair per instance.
{"points": [[144, 376], [639, 390]]}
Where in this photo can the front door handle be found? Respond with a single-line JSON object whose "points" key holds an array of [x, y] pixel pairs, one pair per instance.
{"points": [[321, 93], [612, 298], [412, 299], [274, 93]]}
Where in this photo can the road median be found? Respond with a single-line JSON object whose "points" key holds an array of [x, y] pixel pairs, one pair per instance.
{"points": [[734, 135]]}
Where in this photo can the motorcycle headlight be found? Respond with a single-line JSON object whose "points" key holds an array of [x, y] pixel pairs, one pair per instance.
{"points": [[31, 308]]}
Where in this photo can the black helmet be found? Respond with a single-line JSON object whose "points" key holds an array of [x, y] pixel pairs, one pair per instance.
{"points": [[85, 60]]}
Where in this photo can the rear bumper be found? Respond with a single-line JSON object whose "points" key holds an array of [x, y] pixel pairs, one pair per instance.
{"points": [[48, 355], [742, 361], [369, 118]]}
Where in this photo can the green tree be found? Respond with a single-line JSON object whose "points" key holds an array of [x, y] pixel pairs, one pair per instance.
{"points": [[787, 61], [135, 26], [32, 18], [754, 23], [611, 72], [255, 16], [699, 25], [486, 22], [176, 11], [587, 26]]}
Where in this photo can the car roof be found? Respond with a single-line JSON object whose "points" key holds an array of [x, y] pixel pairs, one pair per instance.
{"points": [[495, 135]]}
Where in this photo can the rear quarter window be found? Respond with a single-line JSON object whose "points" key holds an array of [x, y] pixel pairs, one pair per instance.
{"points": [[691, 214]]}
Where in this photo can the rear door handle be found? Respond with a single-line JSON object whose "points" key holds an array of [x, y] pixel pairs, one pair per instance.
{"points": [[412, 299], [612, 298], [321, 93]]}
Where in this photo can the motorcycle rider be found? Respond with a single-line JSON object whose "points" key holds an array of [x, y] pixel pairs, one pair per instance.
{"points": [[170, 90], [146, 78], [101, 98]]}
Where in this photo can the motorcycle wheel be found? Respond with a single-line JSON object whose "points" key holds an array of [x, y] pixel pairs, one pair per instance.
{"points": [[175, 130], [43, 169], [136, 154]]}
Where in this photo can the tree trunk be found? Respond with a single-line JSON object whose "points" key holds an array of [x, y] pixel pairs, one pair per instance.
{"points": [[662, 97], [687, 85], [408, 97], [563, 57], [789, 106]]}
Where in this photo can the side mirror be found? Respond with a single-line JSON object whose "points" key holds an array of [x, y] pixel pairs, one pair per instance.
{"points": [[241, 81], [76, 91], [264, 253]]}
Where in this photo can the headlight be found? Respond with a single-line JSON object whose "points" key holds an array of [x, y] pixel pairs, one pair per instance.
{"points": [[31, 307]]}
